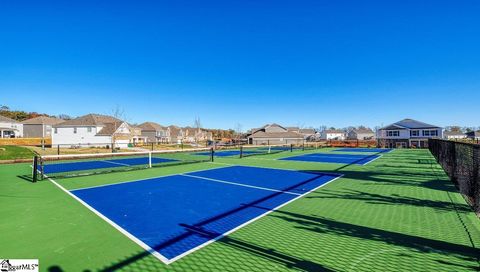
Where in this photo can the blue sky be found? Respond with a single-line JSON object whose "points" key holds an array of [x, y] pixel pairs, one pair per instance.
{"points": [[308, 63]]}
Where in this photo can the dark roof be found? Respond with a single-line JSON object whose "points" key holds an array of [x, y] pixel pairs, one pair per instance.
{"points": [[7, 120], [90, 120], [151, 126], [473, 133], [43, 120], [410, 124]]}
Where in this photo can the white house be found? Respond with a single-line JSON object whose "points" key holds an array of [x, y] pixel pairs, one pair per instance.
{"points": [[454, 135], [332, 134], [10, 128], [408, 133], [93, 130]]}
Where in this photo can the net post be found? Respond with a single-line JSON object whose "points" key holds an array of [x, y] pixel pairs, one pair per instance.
{"points": [[212, 154], [291, 147], [149, 159], [241, 152], [58, 149], [35, 167]]}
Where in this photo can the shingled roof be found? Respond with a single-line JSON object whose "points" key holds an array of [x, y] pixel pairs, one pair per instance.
{"points": [[151, 126], [43, 120], [90, 120], [263, 134], [7, 120], [409, 124]]}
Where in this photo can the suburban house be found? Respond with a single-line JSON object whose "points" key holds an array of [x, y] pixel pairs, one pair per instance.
{"points": [[196, 134], [274, 134], [137, 137], [474, 135], [306, 132], [176, 134], [361, 134], [40, 127], [10, 128], [93, 130], [332, 134], [155, 133], [407, 133], [454, 135]]}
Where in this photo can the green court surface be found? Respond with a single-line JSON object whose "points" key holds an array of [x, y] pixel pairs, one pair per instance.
{"points": [[398, 213]]}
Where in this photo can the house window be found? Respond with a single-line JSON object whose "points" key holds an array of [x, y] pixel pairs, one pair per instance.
{"points": [[414, 133], [430, 133], [89, 129], [55, 130], [75, 130], [393, 133]]}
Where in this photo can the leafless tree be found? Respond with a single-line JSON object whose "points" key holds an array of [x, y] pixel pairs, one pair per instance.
{"points": [[238, 131]]}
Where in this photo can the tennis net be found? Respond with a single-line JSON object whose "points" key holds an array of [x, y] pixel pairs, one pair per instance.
{"points": [[246, 151], [58, 166]]}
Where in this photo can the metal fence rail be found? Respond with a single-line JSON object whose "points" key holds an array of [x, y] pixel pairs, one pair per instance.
{"points": [[461, 162]]}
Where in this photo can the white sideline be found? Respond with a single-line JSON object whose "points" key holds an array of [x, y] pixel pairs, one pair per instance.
{"points": [[239, 184], [159, 256]]}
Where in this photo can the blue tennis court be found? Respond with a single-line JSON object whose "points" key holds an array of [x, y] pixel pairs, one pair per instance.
{"points": [[99, 164], [175, 215], [376, 150], [334, 158]]}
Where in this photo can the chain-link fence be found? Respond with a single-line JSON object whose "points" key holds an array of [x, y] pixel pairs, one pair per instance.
{"points": [[461, 162]]}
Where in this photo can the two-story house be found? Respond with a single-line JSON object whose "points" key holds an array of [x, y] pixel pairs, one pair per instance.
{"points": [[361, 134], [10, 128], [332, 134], [155, 133], [407, 133], [40, 126], [93, 130], [274, 134]]}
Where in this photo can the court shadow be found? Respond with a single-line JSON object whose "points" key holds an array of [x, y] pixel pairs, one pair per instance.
{"points": [[324, 225], [26, 177]]}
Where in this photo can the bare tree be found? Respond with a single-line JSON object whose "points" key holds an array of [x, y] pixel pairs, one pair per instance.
{"points": [[197, 124], [238, 131], [119, 114]]}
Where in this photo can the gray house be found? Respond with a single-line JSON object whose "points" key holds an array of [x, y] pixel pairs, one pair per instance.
{"points": [[274, 134], [155, 133], [40, 127], [408, 133], [361, 134]]}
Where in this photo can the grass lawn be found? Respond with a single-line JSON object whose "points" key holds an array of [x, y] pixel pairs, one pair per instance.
{"points": [[9, 152], [398, 213]]}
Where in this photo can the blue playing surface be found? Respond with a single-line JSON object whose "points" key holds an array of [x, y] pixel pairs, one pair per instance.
{"points": [[100, 164], [176, 214], [334, 158], [377, 150]]}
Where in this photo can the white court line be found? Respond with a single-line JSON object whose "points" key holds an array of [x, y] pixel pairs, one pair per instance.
{"points": [[373, 160], [248, 222], [124, 164], [160, 256], [136, 180], [239, 184], [113, 224]]}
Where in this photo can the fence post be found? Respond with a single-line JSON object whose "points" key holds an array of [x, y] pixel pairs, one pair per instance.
{"points": [[58, 149], [212, 154], [241, 152]]}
